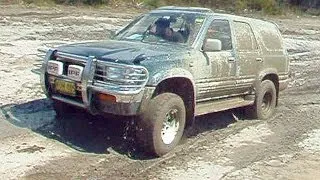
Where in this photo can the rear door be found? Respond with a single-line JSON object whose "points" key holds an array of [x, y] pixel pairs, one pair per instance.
{"points": [[248, 56]]}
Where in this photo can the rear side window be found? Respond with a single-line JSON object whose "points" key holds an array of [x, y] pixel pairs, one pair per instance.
{"points": [[245, 37], [271, 37]]}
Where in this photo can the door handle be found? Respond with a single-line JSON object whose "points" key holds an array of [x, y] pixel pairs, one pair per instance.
{"points": [[259, 59], [231, 59]]}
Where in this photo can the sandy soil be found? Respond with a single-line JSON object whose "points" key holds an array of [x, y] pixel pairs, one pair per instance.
{"points": [[34, 145]]}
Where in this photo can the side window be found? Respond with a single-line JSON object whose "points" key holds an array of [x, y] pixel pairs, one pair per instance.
{"points": [[245, 37], [220, 29]]}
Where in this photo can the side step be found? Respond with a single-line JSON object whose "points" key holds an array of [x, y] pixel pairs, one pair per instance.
{"points": [[221, 105]]}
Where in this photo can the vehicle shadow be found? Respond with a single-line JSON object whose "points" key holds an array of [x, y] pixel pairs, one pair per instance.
{"points": [[214, 121], [78, 129], [94, 134]]}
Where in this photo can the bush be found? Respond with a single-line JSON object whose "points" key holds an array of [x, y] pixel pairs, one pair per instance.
{"points": [[39, 2], [152, 3], [266, 6], [88, 2]]}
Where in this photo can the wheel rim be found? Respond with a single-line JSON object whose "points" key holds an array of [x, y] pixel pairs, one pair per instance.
{"points": [[170, 126], [266, 102]]}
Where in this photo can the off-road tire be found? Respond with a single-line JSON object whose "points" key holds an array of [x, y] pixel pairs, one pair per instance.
{"points": [[265, 102], [150, 124]]}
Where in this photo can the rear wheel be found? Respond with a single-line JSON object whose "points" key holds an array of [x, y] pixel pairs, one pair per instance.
{"points": [[161, 126], [265, 102]]}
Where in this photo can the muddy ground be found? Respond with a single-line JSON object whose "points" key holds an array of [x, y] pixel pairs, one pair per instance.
{"points": [[36, 145]]}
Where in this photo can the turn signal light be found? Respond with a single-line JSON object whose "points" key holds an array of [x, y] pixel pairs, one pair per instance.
{"points": [[107, 97]]}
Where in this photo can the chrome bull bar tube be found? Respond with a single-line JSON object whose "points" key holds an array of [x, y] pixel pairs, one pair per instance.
{"points": [[87, 80], [43, 70], [128, 103]]}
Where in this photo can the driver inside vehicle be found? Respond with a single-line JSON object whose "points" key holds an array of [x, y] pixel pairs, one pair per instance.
{"points": [[162, 29]]}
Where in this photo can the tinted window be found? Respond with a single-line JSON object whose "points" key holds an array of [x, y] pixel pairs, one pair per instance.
{"points": [[245, 37], [220, 29]]}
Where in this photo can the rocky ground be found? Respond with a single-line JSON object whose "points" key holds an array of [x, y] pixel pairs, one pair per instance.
{"points": [[34, 145]]}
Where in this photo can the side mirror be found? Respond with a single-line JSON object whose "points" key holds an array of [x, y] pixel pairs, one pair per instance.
{"points": [[212, 45]]}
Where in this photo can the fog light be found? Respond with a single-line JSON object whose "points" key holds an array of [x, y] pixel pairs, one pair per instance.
{"points": [[55, 68], [107, 97]]}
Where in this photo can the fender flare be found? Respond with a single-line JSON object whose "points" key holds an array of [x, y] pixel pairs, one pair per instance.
{"points": [[266, 72], [263, 74], [168, 74], [161, 76]]}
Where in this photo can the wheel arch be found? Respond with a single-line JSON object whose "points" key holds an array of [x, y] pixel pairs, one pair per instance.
{"points": [[183, 86], [272, 75]]}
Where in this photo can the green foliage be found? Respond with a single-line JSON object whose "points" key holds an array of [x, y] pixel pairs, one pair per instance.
{"points": [[88, 2], [39, 2], [265, 6], [152, 3]]}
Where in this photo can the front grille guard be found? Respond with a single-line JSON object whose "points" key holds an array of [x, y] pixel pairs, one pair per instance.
{"points": [[87, 82], [102, 81]]}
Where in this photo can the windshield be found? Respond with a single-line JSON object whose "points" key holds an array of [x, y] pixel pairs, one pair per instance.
{"points": [[175, 27]]}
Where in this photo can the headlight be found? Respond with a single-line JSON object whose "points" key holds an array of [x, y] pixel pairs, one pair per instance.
{"points": [[115, 73], [126, 74], [121, 78]]}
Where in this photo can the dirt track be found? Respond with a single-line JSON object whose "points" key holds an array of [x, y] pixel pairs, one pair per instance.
{"points": [[35, 146]]}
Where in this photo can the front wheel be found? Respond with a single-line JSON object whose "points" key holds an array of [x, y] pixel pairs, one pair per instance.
{"points": [[265, 102], [161, 126]]}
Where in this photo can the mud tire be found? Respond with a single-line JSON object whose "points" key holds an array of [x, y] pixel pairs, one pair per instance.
{"points": [[150, 124], [265, 102]]}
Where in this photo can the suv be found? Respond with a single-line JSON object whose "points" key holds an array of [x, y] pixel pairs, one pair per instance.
{"points": [[168, 66]]}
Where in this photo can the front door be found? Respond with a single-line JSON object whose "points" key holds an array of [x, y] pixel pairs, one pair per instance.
{"points": [[221, 81]]}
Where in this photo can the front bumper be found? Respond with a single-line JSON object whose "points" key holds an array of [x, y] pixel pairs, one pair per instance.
{"points": [[126, 104]]}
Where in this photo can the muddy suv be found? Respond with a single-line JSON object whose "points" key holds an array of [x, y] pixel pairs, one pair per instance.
{"points": [[168, 66]]}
